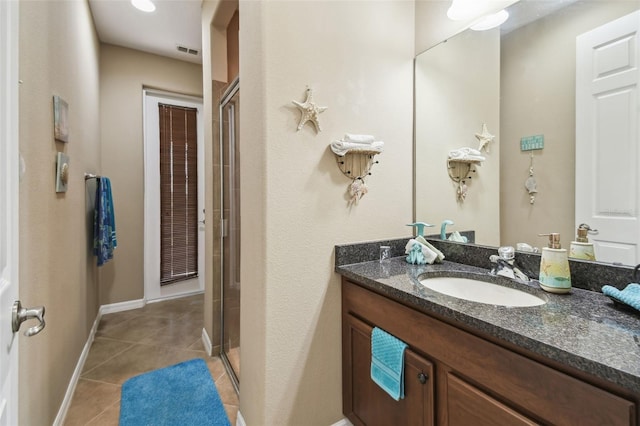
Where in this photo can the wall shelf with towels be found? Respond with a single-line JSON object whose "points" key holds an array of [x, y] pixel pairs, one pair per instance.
{"points": [[356, 165], [460, 170], [355, 157]]}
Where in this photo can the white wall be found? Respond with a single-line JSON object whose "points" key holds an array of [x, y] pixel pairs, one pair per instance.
{"points": [[123, 75], [358, 58], [549, 109], [59, 55], [457, 90]]}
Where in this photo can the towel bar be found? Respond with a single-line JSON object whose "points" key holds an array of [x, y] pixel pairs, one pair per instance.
{"points": [[88, 176]]}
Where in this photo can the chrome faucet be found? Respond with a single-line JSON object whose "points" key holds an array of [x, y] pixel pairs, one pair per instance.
{"points": [[504, 265]]}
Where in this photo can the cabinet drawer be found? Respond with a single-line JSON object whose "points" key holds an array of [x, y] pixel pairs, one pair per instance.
{"points": [[467, 405]]}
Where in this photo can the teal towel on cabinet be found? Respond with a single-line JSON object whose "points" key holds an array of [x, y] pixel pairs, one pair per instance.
{"points": [[630, 295], [104, 222], [387, 362]]}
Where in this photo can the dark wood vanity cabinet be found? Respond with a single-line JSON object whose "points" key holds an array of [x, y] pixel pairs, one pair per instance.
{"points": [[454, 377], [367, 403]]}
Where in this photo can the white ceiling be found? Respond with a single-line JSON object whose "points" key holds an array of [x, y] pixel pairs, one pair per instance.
{"points": [[174, 22]]}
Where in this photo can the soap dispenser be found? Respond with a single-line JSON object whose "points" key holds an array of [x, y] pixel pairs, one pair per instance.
{"points": [[581, 248], [554, 266]]}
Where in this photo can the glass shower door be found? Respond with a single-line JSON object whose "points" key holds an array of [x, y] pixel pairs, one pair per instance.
{"points": [[230, 345]]}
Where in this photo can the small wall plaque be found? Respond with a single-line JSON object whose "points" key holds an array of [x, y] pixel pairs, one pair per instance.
{"points": [[62, 172], [530, 143]]}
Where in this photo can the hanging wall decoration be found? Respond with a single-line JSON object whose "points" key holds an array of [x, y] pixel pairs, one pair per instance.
{"points": [[62, 172], [354, 155], [309, 111], [531, 184], [60, 117], [461, 164], [531, 143]]}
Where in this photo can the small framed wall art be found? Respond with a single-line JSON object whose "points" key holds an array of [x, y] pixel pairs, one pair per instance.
{"points": [[60, 117]]}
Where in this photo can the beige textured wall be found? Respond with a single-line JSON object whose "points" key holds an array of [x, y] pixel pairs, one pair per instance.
{"points": [[538, 97], [123, 75], [451, 105], [358, 58], [58, 55]]}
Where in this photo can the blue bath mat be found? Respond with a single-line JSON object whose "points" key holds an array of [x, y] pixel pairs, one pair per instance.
{"points": [[182, 394]]}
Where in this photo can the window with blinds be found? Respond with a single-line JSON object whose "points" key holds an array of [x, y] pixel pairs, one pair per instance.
{"points": [[178, 194]]}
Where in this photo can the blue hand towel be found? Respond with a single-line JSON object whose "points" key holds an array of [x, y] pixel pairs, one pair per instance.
{"points": [[104, 222], [630, 295], [387, 362]]}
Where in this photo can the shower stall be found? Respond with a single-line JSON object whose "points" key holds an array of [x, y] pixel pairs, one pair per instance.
{"points": [[230, 171]]}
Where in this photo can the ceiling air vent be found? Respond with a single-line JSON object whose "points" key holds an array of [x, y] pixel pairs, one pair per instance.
{"points": [[188, 50]]}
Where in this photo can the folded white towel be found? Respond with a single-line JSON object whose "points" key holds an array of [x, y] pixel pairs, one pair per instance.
{"points": [[368, 139], [429, 255], [466, 154], [341, 147], [440, 255], [457, 237]]}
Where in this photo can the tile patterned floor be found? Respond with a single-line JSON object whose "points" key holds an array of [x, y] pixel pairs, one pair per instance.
{"points": [[133, 342]]}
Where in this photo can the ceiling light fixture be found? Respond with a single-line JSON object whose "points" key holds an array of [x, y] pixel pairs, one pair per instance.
{"points": [[462, 10], [144, 5], [491, 21]]}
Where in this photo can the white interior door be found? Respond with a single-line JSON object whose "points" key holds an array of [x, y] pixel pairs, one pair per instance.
{"points": [[607, 136], [152, 288], [9, 158]]}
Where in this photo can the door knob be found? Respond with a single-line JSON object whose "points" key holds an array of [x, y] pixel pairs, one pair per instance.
{"points": [[20, 315]]}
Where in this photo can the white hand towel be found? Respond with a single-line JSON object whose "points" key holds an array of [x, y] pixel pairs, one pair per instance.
{"points": [[440, 255], [341, 147], [349, 137], [429, 255], [466, 153]]}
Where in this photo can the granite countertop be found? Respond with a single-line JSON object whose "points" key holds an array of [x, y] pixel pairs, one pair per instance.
{"points": [[582, 329]]}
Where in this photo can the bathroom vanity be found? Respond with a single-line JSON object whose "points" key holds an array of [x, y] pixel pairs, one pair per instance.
{"points": [[573, 360]]}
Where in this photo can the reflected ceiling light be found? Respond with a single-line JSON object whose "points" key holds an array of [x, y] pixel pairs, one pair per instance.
{"points": [[144, 5], [462, 10], [491, 21]]}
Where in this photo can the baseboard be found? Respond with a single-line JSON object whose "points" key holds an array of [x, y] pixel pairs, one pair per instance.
{"points": [[66, 402], [343, 422], [122, 306], [175, 296], [206, 342], [240, 420]]}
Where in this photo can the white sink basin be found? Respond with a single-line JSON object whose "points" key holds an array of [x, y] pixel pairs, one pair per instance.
{"points": [[481, 291]]}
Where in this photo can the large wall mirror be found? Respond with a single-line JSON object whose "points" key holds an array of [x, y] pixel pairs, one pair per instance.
{"points": [[545, 72]]}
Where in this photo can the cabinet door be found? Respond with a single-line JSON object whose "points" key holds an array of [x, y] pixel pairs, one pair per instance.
{"points": [[468, 405], [365, 403]]}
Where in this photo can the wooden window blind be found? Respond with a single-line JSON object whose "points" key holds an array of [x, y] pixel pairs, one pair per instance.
{"points": [[178, 194]]}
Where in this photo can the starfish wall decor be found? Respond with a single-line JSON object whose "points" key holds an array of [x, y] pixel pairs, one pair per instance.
{"points": [[309, 111], [484, 138]]}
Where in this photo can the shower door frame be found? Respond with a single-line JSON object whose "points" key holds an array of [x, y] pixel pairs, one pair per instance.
{"points": [[231, 91]]}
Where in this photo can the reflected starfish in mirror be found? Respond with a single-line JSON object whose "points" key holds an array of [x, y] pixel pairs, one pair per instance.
{"points": [[309, 111], [484, 138]]}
